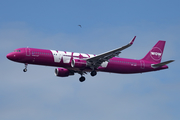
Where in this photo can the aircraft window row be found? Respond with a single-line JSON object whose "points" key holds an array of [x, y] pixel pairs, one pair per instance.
{"points": [[123, 62], [41, 53], [17, 50]]}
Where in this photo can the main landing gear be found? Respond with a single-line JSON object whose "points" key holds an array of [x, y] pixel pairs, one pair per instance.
{"points": [[25, 69], [93, 73], [82, 78]]}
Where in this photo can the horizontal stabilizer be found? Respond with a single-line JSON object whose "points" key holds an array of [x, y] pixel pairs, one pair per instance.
{"points": [[161, 64]]}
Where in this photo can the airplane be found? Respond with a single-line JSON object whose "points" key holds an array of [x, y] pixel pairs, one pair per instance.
{"points": [[69, 63]]}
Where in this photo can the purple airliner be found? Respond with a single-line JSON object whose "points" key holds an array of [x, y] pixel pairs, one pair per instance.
{"points": [[71, 62]]}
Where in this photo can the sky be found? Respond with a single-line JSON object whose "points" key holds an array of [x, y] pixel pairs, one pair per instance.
{"points": [[106, 25]]}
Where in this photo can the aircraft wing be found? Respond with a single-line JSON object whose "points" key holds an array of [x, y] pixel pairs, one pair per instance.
{"points": [[96, 61]]}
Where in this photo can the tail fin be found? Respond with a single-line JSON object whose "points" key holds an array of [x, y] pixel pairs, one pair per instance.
{"points": [[155, 54]]}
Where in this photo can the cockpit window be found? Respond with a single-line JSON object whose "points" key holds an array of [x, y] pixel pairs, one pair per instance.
{"points": [[17, 50]]}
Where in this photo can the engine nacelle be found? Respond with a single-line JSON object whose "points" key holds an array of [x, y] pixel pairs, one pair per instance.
{"points": [[76, 63], [62, 72]]}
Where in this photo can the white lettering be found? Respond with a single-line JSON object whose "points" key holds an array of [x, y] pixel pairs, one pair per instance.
{"points": [[76, 55], [67, 57], [57, 56], [84, 55], [61, 55], [156, 54]]}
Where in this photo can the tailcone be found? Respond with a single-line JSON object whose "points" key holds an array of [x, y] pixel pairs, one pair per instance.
{"points": [[165, 67]]}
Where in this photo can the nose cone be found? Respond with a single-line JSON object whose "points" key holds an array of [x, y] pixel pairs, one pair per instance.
{"points": [[15, 56], [9, 56], [12, 56]]}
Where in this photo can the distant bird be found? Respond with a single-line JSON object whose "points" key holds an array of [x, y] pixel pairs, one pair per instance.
{"points": [[80, 26]]}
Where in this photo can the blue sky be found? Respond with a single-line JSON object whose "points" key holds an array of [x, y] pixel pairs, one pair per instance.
{"points": [[106, 24]]}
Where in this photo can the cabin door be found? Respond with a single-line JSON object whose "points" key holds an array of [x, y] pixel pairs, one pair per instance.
{"points": [[142, 64], [28, 52]]}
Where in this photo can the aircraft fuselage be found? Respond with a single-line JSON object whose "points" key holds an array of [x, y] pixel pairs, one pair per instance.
{"points": [[63, 59]]}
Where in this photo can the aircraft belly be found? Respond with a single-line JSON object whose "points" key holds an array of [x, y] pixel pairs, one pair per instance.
{"points": [[120, 68]]}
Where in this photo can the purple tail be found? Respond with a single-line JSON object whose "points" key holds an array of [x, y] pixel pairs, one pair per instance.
{"points": [[155, 54]]}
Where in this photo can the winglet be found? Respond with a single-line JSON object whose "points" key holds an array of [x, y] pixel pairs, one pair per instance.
{"points": [[132, 40]]}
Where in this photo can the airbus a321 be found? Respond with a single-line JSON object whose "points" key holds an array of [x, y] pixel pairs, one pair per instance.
{"points": [[69, 63]]}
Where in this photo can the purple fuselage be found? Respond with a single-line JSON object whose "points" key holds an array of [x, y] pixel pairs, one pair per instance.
{"points": [[64, 59]]}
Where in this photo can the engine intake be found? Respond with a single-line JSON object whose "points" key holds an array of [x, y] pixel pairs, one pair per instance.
{"points": [[62, 72], [76, 63]]}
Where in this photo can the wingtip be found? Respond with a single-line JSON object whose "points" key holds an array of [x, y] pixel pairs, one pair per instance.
{"points": [[172, 60], [132, 40]]}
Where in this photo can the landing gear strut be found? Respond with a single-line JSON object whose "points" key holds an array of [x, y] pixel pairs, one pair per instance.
{"points": [[82, 78], [25, 69]]}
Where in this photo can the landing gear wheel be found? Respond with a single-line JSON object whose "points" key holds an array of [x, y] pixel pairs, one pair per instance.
{"points": [[93, 73], [82, 79], [25, 70]]}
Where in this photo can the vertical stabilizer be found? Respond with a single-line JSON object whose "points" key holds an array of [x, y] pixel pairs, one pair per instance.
{"points": [[155, 54]]}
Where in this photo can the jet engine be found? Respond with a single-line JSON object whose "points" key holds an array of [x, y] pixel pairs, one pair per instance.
{"points": [[62, 72], [76, 63]]}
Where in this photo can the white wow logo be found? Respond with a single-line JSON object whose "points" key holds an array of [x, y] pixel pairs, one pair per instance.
{"points": [[65, 57], [156, 54]]}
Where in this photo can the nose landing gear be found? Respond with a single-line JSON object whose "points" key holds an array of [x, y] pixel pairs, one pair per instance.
{"points": [[25, 69]]}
